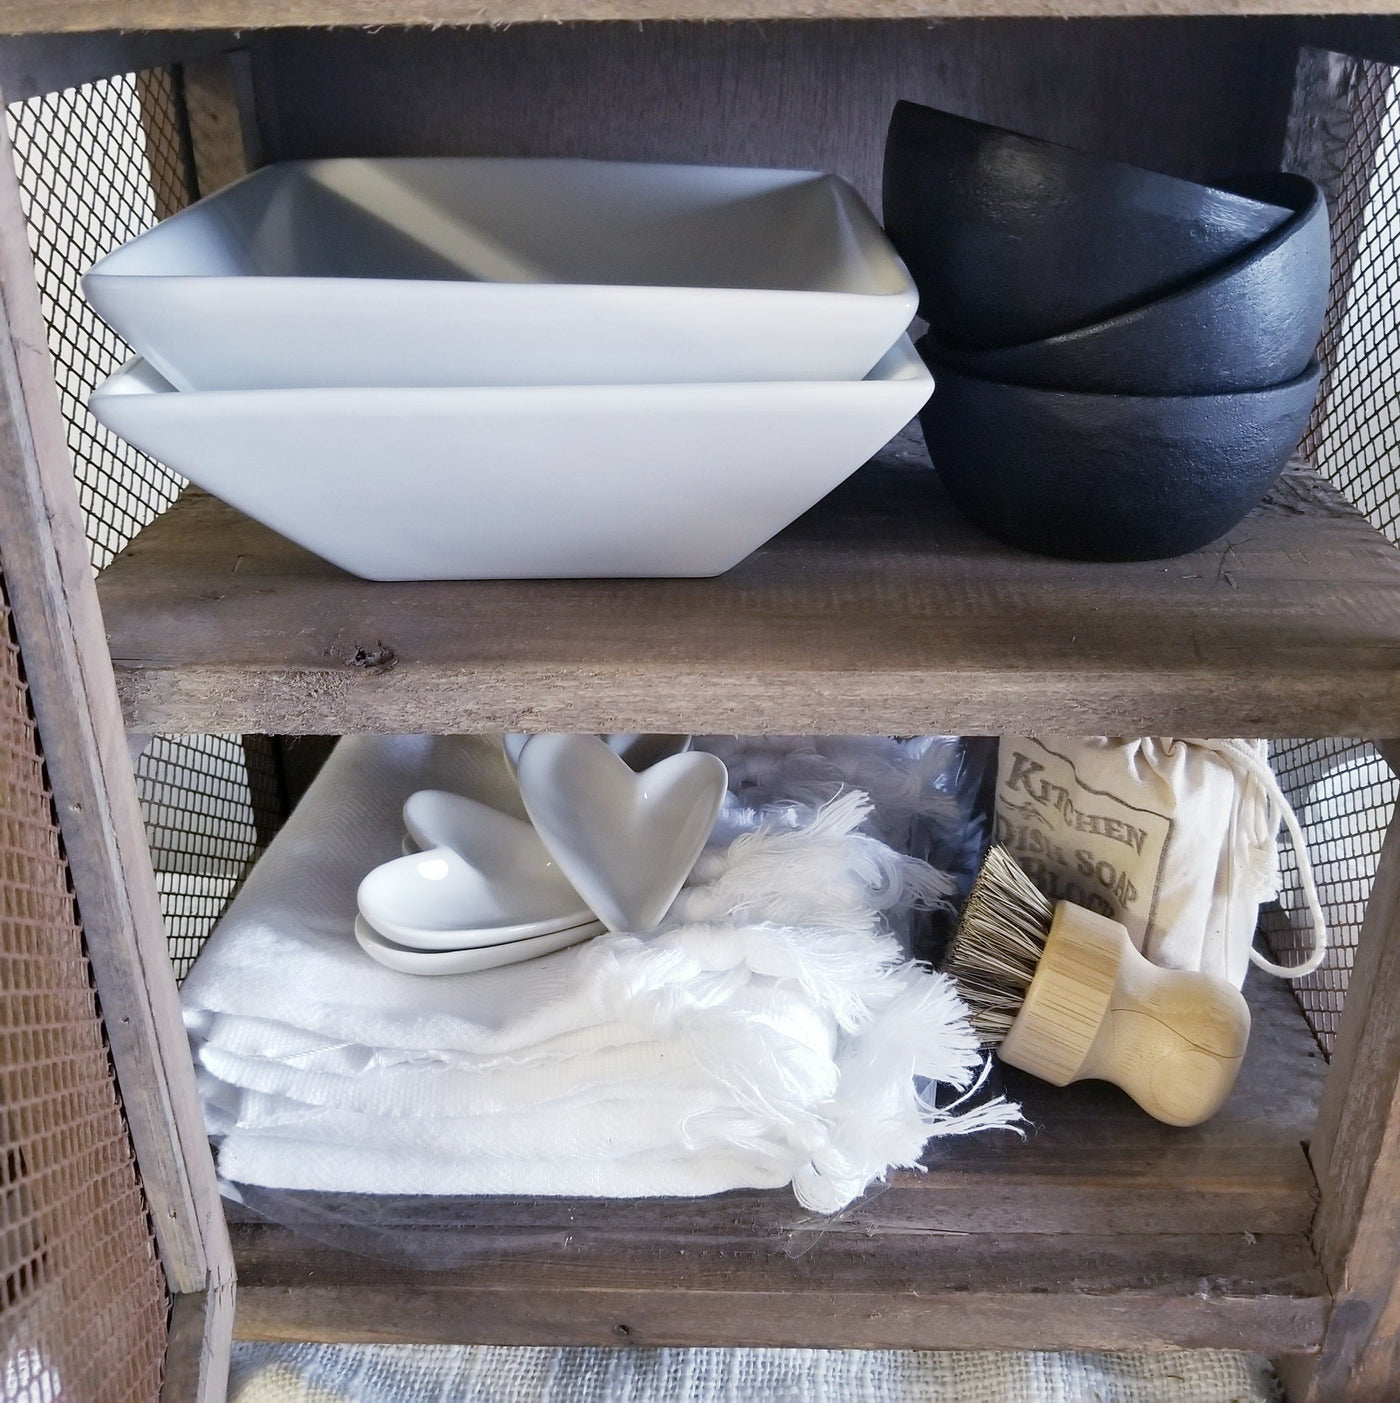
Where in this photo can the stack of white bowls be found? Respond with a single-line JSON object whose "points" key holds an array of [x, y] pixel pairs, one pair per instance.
{"points": [[478, 368]]}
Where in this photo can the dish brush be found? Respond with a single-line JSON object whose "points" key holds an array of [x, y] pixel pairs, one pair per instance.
{"points": [[1061, 992]]}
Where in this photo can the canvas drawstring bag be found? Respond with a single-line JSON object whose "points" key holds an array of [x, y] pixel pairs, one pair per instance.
{"points": [[1175, 838]]}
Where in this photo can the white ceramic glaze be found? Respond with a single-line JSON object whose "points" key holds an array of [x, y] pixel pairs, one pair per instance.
{"points": [[433, 900], [627, 841], [639, 751], [525, 881], [453, 271], [479, 877], [407, 961], [522, 482]]}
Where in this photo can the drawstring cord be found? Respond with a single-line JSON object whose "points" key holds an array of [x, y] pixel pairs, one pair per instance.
{"points": [[1241, 755]]}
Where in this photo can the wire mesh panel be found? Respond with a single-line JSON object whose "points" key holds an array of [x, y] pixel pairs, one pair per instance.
{"points": [[1345, 133], [197, 800], [1355, 434], [98, 165], [1343, 793], [86, 163], [83, 1307]]}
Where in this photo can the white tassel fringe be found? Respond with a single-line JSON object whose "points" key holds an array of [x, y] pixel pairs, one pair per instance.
{"points": [[815, 888]]}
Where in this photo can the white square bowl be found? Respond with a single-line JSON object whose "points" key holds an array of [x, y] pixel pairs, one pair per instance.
{"points": [[447, 271], [523, 481]]}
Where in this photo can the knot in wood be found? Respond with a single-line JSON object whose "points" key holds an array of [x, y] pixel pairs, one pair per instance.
{"points": [[364, 657]]}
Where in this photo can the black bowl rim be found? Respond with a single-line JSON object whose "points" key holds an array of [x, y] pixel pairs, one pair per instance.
{"points": [[1291, 228], [937, 368], [1078, 154]]}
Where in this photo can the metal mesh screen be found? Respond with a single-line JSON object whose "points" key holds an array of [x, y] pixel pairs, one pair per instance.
{"points": [[1345, 133], [201, 798], [1355, 434], [87, 164], [99, 164], [1343, 793], [83, 1307]]}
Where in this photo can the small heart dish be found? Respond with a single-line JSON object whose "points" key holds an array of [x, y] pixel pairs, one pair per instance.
{"points": [[480, 878], [639, 751], [469, 961], [626, 841]]}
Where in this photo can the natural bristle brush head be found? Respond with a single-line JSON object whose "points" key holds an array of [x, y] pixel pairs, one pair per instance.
{"points": [[997, 946], [1061, 992]]}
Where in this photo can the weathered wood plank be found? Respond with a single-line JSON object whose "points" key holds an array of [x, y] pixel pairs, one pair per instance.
{"points": [[50, 583], [882, 610], [1356, 1155], [212, 102], [948, 1291], [197, 1347], [40, 16]]}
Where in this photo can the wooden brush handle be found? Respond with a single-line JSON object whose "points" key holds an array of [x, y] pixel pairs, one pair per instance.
{"points": [[1172, 1039]]}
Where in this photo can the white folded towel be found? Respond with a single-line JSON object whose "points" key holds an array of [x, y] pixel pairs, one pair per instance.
{"points": [[769, 1033]]}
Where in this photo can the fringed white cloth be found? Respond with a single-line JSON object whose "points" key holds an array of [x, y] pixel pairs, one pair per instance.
{"points": [[770, 1033]]}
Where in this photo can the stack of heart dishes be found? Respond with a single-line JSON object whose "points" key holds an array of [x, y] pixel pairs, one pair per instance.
{"points": [[1124, 360], [617, 823]]}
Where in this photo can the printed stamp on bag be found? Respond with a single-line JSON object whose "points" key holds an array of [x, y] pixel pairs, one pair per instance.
{"points": [[1077, 842]]}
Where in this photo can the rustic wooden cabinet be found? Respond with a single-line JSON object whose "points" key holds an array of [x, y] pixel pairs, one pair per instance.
{"points": [[1275, 1227]]}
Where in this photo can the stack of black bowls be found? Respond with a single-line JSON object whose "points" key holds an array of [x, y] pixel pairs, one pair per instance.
{"points": [[1123, 361]]}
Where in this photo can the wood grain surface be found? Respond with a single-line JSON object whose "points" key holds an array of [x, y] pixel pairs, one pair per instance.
{"points": [[881, 611], [943, 1291], [50, 16], [197, 1347], [1356, 1153], [212, 103], [1199, 98]]}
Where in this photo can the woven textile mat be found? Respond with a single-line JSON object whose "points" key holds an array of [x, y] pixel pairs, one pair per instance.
{"points": [[279, 1373]]}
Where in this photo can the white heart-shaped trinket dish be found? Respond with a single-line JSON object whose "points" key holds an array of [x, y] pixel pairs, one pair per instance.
{"points": [[433, 900], [422, 962], [626, 841], [480, 871], [640, 751]]}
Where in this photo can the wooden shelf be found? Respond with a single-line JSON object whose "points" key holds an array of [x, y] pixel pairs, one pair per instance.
{"points": [[1101, 1229], [69, 16], [882, 610]]}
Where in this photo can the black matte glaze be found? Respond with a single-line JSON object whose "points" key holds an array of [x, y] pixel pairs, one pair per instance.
{"points": [[1012, 239], [1109, 477], [1250, 324]]}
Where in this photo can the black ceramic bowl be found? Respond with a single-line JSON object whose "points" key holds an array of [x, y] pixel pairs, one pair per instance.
{"points": [[1251, 323], [1011, 239], [1109, 477]]}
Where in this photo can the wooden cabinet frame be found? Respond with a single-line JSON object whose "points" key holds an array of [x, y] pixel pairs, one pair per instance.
{"points": [[54, 600], [1039, 1259]]}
